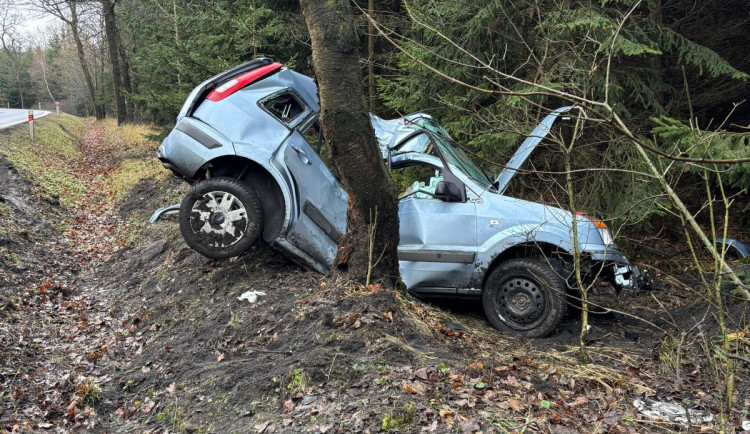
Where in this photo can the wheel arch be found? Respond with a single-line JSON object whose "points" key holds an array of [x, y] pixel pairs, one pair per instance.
{"points": [[526, 250], [275, 201]]}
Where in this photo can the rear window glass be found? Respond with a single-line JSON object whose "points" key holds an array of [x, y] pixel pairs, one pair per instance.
{"points": [[285, 107]]}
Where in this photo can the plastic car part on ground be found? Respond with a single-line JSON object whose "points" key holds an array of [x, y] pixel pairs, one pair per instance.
{"points": [[159, 213], [665, 409], [251, 296]]}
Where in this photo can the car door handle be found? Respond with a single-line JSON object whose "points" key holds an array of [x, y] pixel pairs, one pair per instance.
{"points": [[301, 154]]}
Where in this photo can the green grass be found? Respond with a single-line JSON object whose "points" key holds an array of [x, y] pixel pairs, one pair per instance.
{"points": [[51, 161], [131, 170], [136, 150]]}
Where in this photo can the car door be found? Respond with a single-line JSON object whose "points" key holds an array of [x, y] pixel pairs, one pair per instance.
{"points": [[322, 203], [437, 245]]}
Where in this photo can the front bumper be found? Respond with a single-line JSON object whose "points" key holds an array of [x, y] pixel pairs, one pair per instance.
{"points": [[630, 278], [618, 270]]}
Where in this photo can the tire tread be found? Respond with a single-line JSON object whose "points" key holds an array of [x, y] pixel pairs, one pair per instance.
{"points": [[254, 206], [558, 305]]}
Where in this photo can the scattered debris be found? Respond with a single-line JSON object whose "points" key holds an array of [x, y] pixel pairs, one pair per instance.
{"points": [[733, 247], [251, 296], [79, 353], [665, 409]]}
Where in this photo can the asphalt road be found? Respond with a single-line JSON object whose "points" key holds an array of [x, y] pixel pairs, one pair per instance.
{"points": [[10, 117]]}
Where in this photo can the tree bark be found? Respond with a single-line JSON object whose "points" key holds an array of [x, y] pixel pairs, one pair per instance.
{"points": [[126, 82], [110, 29], [371, 54], [98, 109], [351, 139], [20, 88]]}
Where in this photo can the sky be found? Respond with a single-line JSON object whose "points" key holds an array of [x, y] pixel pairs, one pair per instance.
{"points": [[35, 23]]}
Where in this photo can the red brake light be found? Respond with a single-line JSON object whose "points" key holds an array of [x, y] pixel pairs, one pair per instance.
{"points": [[241, 81]]}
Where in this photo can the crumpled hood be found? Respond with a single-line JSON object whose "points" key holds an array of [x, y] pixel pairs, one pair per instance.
{"points": [[527, 147]]}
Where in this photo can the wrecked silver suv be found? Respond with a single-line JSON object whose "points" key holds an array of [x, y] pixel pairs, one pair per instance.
{"points": [[249, 143]]}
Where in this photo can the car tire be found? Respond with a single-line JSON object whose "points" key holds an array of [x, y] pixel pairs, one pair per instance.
{"points": [[525, 297], [220, 217]]}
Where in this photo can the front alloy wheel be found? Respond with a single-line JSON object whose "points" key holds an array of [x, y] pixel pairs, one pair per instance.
{"points": [[220, 217]]}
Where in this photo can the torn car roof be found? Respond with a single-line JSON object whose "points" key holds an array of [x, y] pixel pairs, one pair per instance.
{"points": [[391, 133]]}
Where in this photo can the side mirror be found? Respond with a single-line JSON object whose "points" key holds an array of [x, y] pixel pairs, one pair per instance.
{"points": [[447, 191]]}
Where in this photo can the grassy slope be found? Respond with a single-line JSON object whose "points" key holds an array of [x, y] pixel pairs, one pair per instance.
{"points": [[50, 162]]}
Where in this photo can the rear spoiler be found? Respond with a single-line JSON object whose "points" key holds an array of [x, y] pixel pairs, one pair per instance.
{"points": [[203, 89]]}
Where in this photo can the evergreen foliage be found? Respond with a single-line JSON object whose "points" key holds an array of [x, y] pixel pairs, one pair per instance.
{"points": [[176, 45], [661, 50], [562, 45]]}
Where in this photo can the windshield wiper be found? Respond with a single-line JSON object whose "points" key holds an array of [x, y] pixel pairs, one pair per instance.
{"points": [[492, 183]]}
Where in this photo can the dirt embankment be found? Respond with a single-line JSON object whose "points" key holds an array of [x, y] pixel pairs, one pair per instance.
{"points": [[112, 325]]}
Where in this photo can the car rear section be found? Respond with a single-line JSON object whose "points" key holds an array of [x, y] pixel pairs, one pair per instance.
{"points": [[200, 134], [247, 126]]}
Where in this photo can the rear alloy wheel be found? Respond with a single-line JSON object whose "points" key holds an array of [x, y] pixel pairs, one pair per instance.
{"points": [[525, 297], [220, 217]]}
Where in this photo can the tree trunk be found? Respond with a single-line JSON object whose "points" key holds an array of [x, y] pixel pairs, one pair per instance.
{"points": [[126, 82], [98, 109], [176, 34], [110, 29], [351, 139], [371, 54], [20, 87], [655, 15]]}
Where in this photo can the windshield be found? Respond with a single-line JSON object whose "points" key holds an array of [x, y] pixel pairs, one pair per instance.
{"points": [[454, 154]]}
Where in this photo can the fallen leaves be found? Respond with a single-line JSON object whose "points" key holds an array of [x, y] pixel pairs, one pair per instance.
{"points": [[447, 415], [516, 405], [148, 405], [413, 387], [579, 401], [472, 390], [351, 319], [171, 389]]}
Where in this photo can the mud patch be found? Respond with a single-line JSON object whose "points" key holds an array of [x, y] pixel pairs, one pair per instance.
{"points": [[148, 195], [15, 194]]}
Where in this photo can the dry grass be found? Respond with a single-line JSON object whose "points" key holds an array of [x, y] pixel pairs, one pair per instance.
{"points": [[136, 147], [51, 161]]}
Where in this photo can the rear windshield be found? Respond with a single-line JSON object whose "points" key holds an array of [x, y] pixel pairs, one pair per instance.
{"points": [[286, 107]]}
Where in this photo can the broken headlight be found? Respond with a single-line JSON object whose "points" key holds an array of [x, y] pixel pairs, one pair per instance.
{"points": [[601, 227]]}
